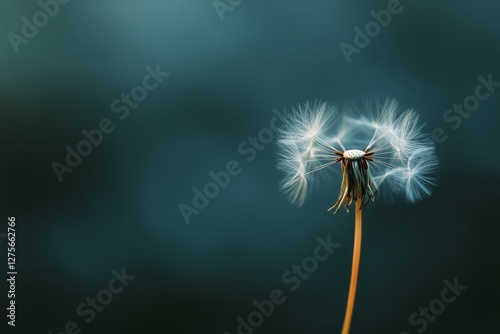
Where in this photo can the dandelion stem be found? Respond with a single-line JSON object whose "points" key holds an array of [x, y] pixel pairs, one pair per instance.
{"points": [[355, 267]]}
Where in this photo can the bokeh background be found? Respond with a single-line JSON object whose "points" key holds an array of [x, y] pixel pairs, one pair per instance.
{"points": [[120, 206]]}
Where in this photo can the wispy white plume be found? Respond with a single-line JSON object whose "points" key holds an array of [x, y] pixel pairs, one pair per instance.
{"points": [[380, 144]]}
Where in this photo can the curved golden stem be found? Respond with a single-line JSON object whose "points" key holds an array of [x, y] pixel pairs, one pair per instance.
{"points": [[355, 267]]}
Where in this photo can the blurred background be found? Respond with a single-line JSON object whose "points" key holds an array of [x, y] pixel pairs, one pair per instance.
{"points": [[230, 64]]}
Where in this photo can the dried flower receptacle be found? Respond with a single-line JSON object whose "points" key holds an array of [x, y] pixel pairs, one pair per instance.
{"points": [[356, 178]]}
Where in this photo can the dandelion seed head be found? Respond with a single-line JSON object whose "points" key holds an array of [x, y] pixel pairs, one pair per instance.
{"points": [[386, 147]]}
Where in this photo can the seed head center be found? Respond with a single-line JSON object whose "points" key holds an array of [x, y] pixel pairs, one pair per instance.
{"points": [[354, 154]]}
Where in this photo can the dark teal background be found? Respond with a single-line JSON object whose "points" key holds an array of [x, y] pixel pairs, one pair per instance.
{"points": [[119, 207]]}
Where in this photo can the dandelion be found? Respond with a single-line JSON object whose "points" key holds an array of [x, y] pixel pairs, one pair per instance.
{"points": [[382, 147]]}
